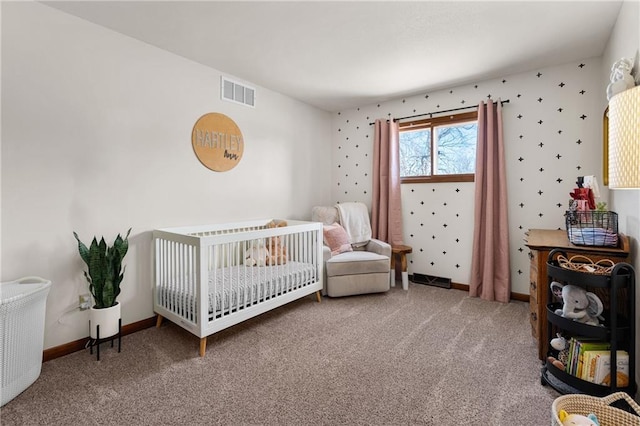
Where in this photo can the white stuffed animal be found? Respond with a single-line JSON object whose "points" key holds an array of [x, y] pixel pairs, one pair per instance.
{"points": [[577, 419], [621, 78], [256, 254], [561, 345]]}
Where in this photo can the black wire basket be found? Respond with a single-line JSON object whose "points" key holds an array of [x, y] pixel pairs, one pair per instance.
{"points": [[592, 227]]}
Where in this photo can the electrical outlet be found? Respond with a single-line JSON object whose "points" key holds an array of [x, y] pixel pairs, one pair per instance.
{"points": [[85, 301]]}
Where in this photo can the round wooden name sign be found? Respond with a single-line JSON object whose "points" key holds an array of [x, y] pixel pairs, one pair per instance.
{"points": [[217, 142]]}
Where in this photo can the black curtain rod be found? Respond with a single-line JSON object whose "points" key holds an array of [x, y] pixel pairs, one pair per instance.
{"points": [[430, 114]]}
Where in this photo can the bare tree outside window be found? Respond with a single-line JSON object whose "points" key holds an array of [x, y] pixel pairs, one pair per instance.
{"points": [[456, 147], [415, 153], [453, 141]]}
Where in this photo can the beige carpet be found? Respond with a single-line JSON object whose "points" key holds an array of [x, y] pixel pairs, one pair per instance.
{"points": [[428, 356]]}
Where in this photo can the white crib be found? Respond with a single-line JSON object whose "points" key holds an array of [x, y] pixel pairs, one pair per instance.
{"points": [[202, 284]]}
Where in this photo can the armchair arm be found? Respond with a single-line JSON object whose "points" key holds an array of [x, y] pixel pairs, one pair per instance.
{"points": [[326, 255], [379, 247]]}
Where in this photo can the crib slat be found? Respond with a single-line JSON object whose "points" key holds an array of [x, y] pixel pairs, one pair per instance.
{"points": [[213, 270], [235, 289], [172, 278]]}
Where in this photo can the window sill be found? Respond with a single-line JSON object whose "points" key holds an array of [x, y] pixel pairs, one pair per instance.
{"points": [[438, 178]]}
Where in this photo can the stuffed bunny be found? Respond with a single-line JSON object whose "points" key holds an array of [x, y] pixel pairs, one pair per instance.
{"points": [[256, 254], [578, 304]]}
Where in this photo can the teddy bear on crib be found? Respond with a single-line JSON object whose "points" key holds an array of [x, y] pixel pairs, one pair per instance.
{"points": [[277, 250]]}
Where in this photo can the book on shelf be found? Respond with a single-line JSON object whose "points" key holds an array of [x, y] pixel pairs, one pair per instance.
{"points": [[586, 347], [569, 364], [602, 374], [577, 348], [596, 367], [591, 360]]}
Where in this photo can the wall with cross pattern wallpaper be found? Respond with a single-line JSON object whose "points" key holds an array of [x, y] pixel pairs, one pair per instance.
{"points": [[553, 133]]}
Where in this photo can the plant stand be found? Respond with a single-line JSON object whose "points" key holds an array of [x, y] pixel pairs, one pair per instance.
{"points": [[96, 342]]}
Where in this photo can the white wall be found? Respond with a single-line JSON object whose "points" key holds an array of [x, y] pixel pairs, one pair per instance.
{"points": [[552, 131], [96, 138], [625, 43]]}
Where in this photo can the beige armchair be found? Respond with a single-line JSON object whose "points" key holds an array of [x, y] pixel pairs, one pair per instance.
{"points": [[363, 269]]}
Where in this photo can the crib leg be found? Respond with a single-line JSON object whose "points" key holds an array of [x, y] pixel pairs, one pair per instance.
{"points": [[203, 346], [319, 296], [159, 321]]}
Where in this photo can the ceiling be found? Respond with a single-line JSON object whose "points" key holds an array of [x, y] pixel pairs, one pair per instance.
{"points": [[339, 55]]}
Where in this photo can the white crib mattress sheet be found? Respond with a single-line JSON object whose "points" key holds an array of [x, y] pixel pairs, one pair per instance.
{"points": [[236, 287]]}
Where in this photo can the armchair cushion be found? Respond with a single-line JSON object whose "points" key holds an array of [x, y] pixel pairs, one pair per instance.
{"points": [[336, 238], [357, 263]]}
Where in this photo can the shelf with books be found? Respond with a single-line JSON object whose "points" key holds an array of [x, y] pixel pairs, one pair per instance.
{"points": [[568, 383], [593, 352]]}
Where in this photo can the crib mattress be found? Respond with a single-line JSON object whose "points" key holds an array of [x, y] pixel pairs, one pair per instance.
{"points": [[237, 287]]}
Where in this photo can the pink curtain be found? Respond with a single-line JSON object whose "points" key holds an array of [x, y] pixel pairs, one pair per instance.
{"points": [[490, 262], [386, 211]]}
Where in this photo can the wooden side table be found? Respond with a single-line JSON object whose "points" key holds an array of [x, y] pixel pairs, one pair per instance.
{"points": [[400, 252], [541, 242]]}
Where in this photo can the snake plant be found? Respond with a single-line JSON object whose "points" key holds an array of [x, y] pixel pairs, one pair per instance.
{"points": [[105, 271]]}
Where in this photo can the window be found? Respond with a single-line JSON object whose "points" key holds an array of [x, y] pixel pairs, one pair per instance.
{"points": [[452, 141]]}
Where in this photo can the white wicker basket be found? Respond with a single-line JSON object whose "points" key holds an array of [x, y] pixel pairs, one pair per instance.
{"points": [[601, 407], [22, 314]]}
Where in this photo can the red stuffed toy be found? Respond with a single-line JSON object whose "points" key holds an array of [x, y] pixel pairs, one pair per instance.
{"points": [[585, 194]]}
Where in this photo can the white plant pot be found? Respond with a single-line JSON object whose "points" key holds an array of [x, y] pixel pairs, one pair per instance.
{"points": [[107, 318]]}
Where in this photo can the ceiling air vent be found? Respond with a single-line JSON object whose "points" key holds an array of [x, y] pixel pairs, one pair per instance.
{"points": [[238, 93]]}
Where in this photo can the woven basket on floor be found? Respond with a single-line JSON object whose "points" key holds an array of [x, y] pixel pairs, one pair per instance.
{"points": [[601, 407]]}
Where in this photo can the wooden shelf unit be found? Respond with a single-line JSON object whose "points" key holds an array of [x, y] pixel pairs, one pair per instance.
{"points": [[540, 243]]}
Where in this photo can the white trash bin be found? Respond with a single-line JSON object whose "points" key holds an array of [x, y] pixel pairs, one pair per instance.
{"points": [[22, 314]]}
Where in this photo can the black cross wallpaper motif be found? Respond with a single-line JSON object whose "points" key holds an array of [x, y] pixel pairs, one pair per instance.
{"points": [[553, 133]]}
